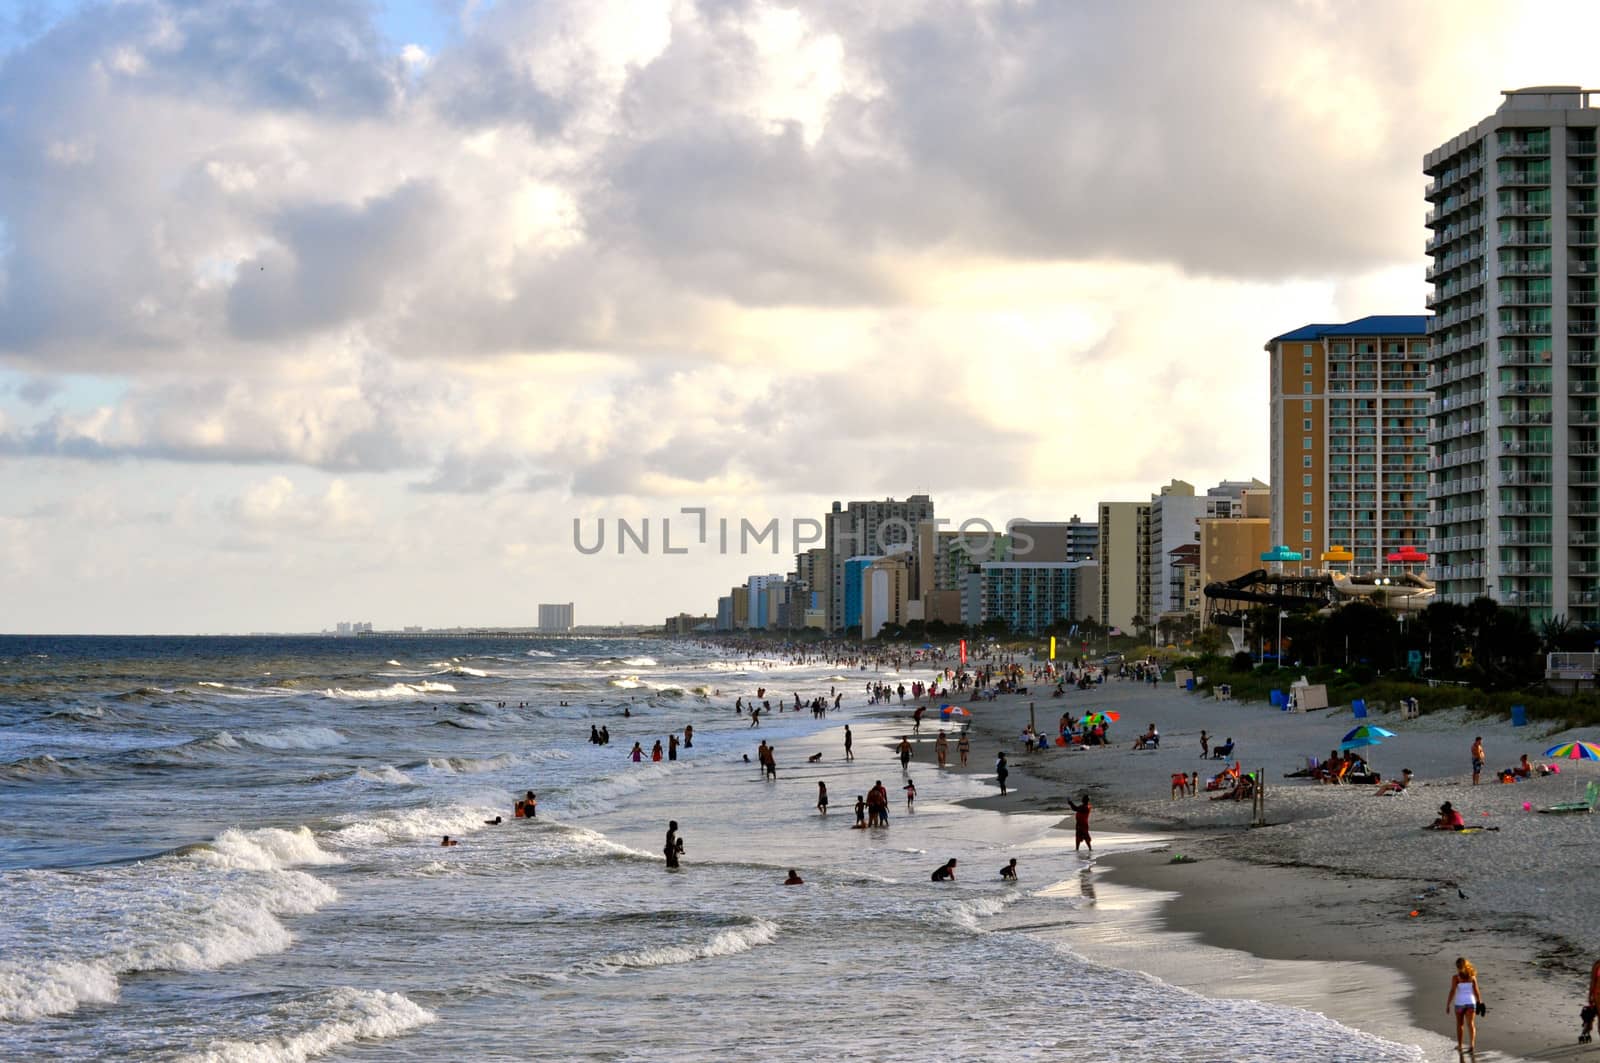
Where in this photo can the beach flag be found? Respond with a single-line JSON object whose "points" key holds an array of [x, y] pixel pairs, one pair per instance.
{"points": [[1052, 647], [963, 651]]}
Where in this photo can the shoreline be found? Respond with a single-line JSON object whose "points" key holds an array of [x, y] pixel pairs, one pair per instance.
{"points": [[1262, 894]]}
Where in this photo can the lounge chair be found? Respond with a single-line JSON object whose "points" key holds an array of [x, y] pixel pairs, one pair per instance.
{"points": [[1591, 799], [1222, 752]]}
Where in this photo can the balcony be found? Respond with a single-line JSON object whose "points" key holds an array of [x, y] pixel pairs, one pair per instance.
{"points": [[1526, 179], [1580, 178], [1525, 299], [1583, 416], [1583, 298], [1526, 387], [1518, 269], [1525, 328], [1582, 475], [1579, 265], [1583, 328], [1524, 538], [1581, 238], [1579, 148], [1525, 509], [1524, 209], [1525, 568], [1536, 148], [1521, 356], [1536, 447], [1527, 417], [1583, 509], [1581, 209], [1531, 239], [1583, 387], [1525, 479]]}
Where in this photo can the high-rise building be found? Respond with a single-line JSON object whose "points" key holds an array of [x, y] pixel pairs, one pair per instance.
{"points": [[1516, 454], [862, 529], [1029, 596], [1230, 548], [555, 617], [1124, 570], [1349, 437], [1053, 540], [885, 592], [765, 595]]}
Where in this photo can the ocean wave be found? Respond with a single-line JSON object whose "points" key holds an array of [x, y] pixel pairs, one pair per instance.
{"points": [[540, 653], [174, 913], [263, 849], [968, 914], [412, 824], [639, 662], [392, 691], [471, 765], [294, 738], [39, 768], [729, 942], [476, 673], [345, 1016], [389, 775]]}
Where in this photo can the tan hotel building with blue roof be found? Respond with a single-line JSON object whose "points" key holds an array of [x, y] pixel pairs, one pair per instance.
{"points": [[1349, 438]]}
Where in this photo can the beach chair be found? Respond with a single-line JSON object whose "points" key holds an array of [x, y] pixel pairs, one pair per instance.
{"points": [[1591, 795], [1222, 752], [1358, 708]]}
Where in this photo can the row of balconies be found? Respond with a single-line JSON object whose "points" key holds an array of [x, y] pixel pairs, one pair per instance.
{"points": [[1453, 543], [1454, 259], [1443, 518], [1464, 341], [1445, 433], [1461, 171], [1459, 486], [1459, 371], [1540, 446]]}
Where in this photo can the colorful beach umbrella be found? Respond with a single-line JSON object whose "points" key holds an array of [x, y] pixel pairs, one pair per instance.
{"points": [[1575, 751], [953, 712], [1102, 717], [1368, 730]]}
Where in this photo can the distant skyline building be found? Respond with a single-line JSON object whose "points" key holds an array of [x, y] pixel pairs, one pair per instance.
{"points": [[1349, 415], [1515, 427], [556, 618], [1031, 596], [1124, 570], [867, 528]]}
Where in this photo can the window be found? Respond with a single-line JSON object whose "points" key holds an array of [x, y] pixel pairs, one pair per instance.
{"points": [[1305, 425], [1305, 407], [1305, 443], [1305, 537], [1305, 499], [1306, 349], [1306, 461], [1305, 481], [1305, 517], [1307, 389], [1307, 369]]}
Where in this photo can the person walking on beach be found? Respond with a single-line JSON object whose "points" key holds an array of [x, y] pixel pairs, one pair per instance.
{"points": [[1081, 832], [1591, 1007], [822, 797], [849, 742], [941, 748], [1000, 771], [1205, 745], [911, 795], [1466, 1000], [905, 752], [1478, 757], [674, 847], [963, 746]]}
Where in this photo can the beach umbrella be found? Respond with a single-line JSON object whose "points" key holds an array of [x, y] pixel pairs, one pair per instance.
{"points": [[953, 712], [1575, 751], [1368, 731], [1102, 717]]}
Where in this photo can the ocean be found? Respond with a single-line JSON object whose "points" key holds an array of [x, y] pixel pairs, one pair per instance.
{"points": [[228, 849]]}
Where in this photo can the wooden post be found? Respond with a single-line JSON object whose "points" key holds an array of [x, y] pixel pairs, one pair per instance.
{"points": [[1031, 722], [1260, 802]]}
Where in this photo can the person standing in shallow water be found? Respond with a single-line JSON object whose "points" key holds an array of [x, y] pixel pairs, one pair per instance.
{"points": [[963, 747], [905, 753], [822, 797], [674, 846], [1081, 834], [1001, 771]]}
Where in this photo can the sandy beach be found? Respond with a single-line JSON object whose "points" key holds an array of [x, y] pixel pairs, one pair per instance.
{"points": [[1336, 875]]}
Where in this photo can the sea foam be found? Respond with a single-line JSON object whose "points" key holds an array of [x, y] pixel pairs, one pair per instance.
{"points": [[729, 942], [345, 1015]]}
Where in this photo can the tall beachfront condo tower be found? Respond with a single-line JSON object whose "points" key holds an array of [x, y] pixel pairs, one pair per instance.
{"points": [[1516, 455], [1349, 438], [1124, 564], [867, 529]]}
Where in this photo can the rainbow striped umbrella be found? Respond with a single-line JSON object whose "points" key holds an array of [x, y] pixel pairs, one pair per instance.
{"points": [[1574, 751]]}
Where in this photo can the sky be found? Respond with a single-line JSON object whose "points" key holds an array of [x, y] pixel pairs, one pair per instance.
{"points": [[323, 310]]}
